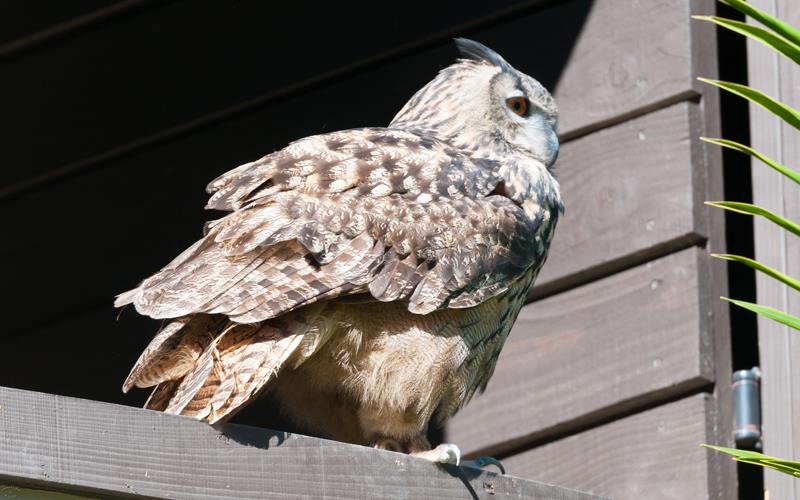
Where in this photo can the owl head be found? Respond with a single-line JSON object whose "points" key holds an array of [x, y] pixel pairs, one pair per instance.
{"points": [[482, 104]]}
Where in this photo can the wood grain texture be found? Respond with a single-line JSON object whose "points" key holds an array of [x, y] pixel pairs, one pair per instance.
{"points": [[618, 67], [583, 355], [98, 448], [628, 190], [779, 346], [654, 455]]}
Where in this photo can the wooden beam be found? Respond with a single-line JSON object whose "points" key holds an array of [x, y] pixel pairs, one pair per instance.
{"points": [[709, 185], [606, 348], [97, 448], [655, 454]]}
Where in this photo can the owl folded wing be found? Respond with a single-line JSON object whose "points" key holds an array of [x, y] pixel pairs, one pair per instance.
{"points": [[395, 214]]}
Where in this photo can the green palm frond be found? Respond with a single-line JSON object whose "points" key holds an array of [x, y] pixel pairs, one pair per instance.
{"points": [[774, 273], [768, 312], [750, 209], [768, 38], [782, 28], [784, 38], [788, 172], [785, 112], [753, 457]]}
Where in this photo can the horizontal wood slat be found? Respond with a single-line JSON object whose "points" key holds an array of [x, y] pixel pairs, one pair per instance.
{"points": [[628, 191], [598, 350], [95, 447], [655, 455]]}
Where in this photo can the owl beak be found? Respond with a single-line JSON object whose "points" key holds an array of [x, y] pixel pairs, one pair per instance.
{"points": [[553, 147]]}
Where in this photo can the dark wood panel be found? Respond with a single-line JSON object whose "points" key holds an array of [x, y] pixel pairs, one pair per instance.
{"points": [[628, 190], [148, 74], [71, 358], [66, 443], [168, 65], [22, 18], [654, 455], [76, 244], [594, 352]]}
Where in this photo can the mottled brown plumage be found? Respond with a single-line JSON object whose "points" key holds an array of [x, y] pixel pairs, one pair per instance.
{"points": [[366, 279]]}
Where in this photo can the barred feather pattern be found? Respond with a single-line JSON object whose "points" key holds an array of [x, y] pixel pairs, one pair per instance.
{"points": [[376, 271], [301, 237]]}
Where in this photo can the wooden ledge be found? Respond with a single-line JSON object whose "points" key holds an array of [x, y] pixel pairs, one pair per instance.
{"points": [[79, 446]]}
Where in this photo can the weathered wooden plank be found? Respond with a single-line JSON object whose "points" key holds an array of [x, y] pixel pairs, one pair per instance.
{"points": [[654, 455], [628, 190], [97, 447], [779, 346], [601, 349], [709, 185]]}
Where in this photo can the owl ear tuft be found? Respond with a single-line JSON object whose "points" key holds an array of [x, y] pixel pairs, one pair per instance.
{"points": [[470, 49]]}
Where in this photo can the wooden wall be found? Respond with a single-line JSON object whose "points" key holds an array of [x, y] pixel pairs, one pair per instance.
{"points": [[779, 345], [117, 114]]}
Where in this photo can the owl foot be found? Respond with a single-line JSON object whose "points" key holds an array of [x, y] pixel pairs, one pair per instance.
{"points": [[445, 453], [483, 461]]}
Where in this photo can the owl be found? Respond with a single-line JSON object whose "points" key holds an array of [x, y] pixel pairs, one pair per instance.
{"points": [[365, 279]]}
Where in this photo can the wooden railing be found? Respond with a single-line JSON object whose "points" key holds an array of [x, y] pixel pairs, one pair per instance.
{"points": [[89, 448]]}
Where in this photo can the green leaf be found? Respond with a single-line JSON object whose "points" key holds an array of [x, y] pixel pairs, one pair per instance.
{"points": [[753, 457], [786, 113], [788, 172], [768, 38], [761, 267], [768, 312], [749, 209], [782, 28]]}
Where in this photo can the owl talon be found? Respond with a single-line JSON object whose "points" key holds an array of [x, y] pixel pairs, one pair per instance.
{"points": [[445, 453], [483, 461]]}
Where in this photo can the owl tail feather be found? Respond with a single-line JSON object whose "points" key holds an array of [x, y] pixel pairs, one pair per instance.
{"points": [[208, 367]]}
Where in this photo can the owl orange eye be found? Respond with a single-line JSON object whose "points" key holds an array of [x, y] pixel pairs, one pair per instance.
{"points": [[518, 105]]}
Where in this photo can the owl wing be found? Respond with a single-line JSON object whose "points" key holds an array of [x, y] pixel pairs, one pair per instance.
{"points": [[399, 215]]}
